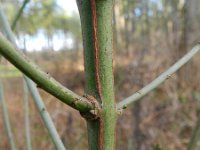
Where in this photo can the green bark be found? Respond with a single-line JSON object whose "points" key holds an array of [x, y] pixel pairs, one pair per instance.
{"points": [[104, 9], [90, 87], [104, 30]]}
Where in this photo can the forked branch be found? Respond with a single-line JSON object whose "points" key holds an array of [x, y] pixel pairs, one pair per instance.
{"points": [[42, 79], [160, 79]]}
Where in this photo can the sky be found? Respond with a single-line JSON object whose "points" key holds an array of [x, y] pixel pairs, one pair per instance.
{"points": [[68, 5], [39, 42]]}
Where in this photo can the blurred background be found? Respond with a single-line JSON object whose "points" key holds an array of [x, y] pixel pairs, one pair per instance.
{"points": [[148, 37]]}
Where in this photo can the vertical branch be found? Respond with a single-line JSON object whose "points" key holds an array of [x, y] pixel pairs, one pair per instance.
{"points": [[17, 17], [90, 86], [26, 116], [6, 118], [95, 48], [126, 9], [96, 20], [184, 74], [115, 35], [105, 49], [6, 27], [45, 115]]}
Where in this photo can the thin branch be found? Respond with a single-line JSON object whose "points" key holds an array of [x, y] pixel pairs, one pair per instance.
{"points": [[160, 79], [6, 27], [43, 80], [45, 115], [6, 119], [17, 17], [26, 115]]}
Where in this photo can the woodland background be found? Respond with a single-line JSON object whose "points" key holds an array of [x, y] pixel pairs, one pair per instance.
{"points": [[149, 36]]}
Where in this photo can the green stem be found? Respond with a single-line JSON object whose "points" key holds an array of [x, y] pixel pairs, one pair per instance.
{"points": [[43, 80], [106, 122], [26, 116], [17, 17], [90, 87], [160, 79], [6, 118], [45, 115], [104, 29]]}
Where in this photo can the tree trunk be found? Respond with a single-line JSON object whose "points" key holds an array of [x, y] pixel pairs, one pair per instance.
{"points": [[136, 111], [126, 24], [96, 22], [115, 35], [184, 73]]}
